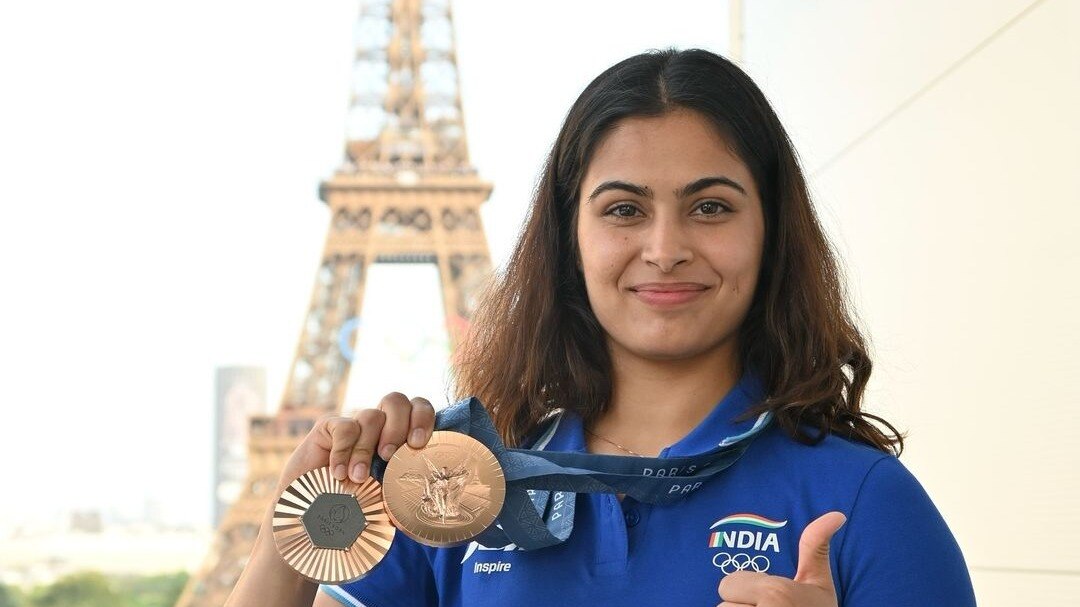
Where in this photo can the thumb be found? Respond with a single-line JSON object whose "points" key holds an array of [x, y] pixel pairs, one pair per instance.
{"points": [[814, 566]]}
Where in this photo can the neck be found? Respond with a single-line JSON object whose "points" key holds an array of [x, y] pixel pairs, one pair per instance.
{"points": [[655, 403]]}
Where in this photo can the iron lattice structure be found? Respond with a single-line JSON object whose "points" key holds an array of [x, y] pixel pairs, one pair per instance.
{"points": [[405, 192]]}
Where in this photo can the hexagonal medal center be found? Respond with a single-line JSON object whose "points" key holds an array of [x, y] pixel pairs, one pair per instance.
{"points": [[334, 520]]}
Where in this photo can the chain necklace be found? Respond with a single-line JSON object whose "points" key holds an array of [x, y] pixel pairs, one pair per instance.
{"points": [[617, 445]]}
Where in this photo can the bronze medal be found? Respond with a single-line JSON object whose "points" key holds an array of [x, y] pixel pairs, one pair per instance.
{"points": [[446, 493], [331, 531]]}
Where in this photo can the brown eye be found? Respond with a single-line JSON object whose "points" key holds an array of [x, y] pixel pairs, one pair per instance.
{"points": [[624, 210], [711, 207]]}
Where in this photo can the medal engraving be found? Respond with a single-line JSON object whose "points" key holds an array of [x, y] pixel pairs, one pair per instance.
{"points": [[334, 521], [446, 493], [441, 502]]}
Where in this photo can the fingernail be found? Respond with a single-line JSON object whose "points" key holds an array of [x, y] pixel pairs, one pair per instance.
{"points": [[339, 472], [388, 451], [416, 439], [359, 473]]}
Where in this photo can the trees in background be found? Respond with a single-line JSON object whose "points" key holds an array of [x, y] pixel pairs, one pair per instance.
{"points": [[152, 590], [92, 589], [88, 589], [10, 597]]}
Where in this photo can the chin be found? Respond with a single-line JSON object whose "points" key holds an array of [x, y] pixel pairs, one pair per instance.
{"points": [[667, 344], [668, 351]]}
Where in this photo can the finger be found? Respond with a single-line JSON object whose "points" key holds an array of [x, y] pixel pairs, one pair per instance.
{"points": [[421, 423], [371, 425], [342, 433], [397, 408], [727, 604], [750, 587], [814, 565]]}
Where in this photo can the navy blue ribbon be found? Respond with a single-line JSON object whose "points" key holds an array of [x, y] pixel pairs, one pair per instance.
{"points": [[538, 509]]}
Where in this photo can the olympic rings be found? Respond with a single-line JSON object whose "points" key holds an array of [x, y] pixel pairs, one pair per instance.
{"points": [[730, 563], [347, 327]]}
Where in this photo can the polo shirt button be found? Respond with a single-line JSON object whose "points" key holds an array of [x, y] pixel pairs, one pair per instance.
{"points": [[632, 518]]}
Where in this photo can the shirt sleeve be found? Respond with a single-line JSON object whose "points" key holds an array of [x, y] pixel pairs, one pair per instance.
{"points": [[403, 578], [897, 549]]}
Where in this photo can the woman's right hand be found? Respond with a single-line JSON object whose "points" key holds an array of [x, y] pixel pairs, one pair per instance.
{"points": [[347, 444]]}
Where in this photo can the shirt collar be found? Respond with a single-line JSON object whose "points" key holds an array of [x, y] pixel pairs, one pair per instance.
{"points": [[719, 425]]}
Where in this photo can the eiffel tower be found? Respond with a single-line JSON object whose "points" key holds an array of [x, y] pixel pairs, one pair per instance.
{"points": [[405, 192]]}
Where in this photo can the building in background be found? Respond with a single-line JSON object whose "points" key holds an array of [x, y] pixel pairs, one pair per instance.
{"points": [[405, 193], [240, 394], [940, 143]]}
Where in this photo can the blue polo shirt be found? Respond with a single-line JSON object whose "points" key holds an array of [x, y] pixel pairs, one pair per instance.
{"points": [[894, 550]]}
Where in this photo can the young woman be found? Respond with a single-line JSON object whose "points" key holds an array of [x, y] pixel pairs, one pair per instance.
{"points": [[671, 284]]}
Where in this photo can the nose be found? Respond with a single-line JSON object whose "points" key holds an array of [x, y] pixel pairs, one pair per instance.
{"points": [[666, 245]]}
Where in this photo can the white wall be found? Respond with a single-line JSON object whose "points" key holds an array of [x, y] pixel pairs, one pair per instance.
{"points": [[941, 138]]}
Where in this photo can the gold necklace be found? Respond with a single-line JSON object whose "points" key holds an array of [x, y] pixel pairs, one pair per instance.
{"points": [[617, 445]]}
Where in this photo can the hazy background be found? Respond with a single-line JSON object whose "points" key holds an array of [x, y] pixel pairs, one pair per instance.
{"points": [[159, 218]]}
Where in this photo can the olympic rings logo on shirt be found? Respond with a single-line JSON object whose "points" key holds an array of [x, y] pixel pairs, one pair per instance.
{"points": [[730, 563]]}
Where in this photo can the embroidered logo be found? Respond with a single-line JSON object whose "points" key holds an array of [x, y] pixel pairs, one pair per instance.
{"points": [[744, 549], [474, 546]]}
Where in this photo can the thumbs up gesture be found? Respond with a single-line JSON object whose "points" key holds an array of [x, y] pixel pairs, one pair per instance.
{"points": [[813, 583]]}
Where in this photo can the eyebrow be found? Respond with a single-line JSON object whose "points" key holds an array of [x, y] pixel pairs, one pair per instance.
{"points": [[616, 184], [705, 182], [688, 190]]}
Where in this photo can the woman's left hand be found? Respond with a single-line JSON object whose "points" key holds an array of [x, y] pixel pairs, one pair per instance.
{"points": [[813, 584]]}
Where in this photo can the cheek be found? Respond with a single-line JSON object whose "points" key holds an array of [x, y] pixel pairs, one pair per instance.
{"points": [[738, 264], [603, 258]]}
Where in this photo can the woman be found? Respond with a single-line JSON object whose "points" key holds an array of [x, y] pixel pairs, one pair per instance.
{"points": [[671, 284]]}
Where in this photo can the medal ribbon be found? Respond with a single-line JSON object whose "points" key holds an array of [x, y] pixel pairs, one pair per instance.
{"points": [[538, 509]]}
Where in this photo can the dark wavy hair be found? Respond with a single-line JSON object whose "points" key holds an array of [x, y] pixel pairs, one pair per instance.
{"points": [[535, 345]]}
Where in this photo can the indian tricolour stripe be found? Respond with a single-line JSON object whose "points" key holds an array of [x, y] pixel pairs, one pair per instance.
{"points": [[748, 519], [715, 539]]}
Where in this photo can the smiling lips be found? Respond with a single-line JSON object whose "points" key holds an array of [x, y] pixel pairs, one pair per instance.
{"points": [[668, 293]]}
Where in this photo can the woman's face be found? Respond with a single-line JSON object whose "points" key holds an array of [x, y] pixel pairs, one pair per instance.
{"points": [[670, 229]]}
